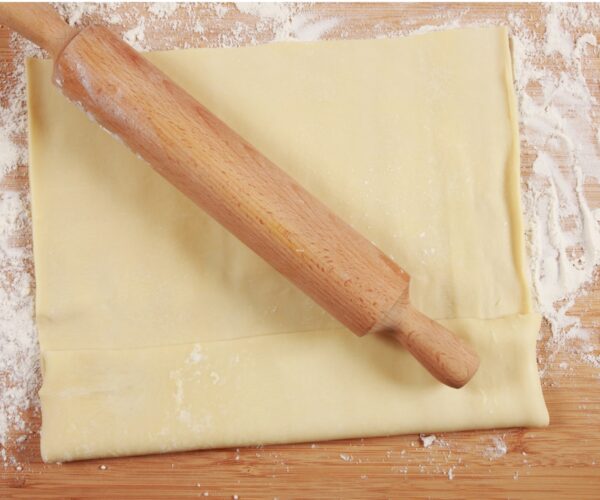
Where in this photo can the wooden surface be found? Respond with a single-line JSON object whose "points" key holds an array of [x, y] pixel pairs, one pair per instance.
{"points": [[562, 460]]}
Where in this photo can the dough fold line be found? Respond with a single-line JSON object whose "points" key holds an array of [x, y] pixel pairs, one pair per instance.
{"points": [[286, 388]]}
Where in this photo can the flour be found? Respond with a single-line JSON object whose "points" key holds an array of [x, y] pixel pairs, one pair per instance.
{"points": [[559, 131], [497, 450], [559, 124], [136, 36], [287, 21], [133, 20], [162, 9], [19, 353], [10, 154], [220, 10], [77, 13], [18, 340], [13, 121], [196, 356]]}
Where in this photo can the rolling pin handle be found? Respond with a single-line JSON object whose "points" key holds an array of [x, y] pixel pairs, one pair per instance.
{"points": [[447, 357], [38, 22]]}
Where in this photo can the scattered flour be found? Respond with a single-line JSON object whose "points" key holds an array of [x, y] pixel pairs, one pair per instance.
{"points": [[221, 10], [163, 9], [13, 120], [76, 13], [560, 127], [10, 154], [559, 130], [287, 21], [19, 370], [497, 450], [136, 36], [19, 353]]}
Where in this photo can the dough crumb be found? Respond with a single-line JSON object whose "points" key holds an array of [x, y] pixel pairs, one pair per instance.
{"points": [[345, 457], [427, 440]]}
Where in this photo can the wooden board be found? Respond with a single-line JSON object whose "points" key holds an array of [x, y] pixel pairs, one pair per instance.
{"points": [[562, 460]]}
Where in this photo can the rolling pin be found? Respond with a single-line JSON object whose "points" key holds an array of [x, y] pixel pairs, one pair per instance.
{"points": [[250, 196]]}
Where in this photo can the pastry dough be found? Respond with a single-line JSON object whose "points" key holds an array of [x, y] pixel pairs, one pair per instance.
{"points": [[159, 331]]}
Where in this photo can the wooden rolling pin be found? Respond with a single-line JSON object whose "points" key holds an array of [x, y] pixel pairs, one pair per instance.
{"points": [[249, 195]]}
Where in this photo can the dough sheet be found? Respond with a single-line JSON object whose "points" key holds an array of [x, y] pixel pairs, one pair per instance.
{"points": [[159, 331]]}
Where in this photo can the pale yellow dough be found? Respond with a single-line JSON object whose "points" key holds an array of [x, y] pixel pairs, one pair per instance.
{"points": [[160, 332]]}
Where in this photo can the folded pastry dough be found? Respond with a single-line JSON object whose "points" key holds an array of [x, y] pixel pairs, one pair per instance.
{"points": [[159, 331]]}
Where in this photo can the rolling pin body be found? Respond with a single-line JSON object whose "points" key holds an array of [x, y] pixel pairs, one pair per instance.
{"points": [[254, 199]]}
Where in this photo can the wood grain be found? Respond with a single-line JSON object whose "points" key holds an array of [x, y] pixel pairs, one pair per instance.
{"points": [[561, 461]]}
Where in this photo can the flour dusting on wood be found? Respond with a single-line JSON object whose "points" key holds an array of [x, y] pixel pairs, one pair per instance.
{"points": [[560, 128], [19, 352]]}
